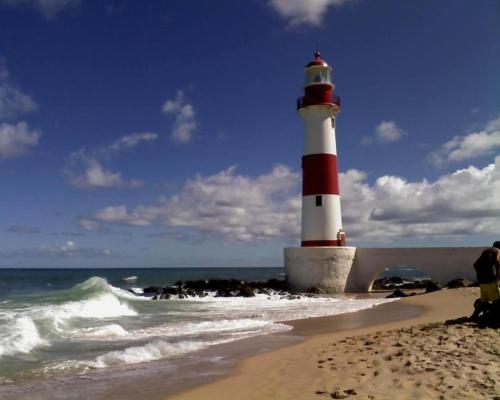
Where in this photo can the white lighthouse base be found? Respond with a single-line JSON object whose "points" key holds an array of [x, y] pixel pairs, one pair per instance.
{"points": [[326, 268], [351, 269]]}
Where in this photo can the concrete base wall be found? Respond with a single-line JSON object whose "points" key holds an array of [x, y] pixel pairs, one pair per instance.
{"points": [[324, 267], [351, 269]]}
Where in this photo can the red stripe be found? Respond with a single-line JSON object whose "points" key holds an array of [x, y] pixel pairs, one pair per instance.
{"points": [[320, 174], [320, 243], [318, 94]]}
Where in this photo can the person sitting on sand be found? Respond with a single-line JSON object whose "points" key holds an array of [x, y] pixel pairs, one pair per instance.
{"points": [[487, 268]]}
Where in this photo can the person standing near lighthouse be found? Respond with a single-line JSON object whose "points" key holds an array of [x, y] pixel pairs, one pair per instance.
{"points": [[321, 214]]}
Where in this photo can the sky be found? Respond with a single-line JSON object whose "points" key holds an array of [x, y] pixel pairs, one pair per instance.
{"points": [[165, 134]]}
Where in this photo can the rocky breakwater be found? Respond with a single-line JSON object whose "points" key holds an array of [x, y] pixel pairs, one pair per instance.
{"points": [[220, 288]]}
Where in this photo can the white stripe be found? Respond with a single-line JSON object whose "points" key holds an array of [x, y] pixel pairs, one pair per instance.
{"points": [[319, 135], [321, 223]]}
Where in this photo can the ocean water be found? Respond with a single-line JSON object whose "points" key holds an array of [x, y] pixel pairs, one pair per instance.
{"points": [[63, 323]]}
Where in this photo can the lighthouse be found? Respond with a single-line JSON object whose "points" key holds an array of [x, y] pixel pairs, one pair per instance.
{"points": [[323, 260], [321, 215]]}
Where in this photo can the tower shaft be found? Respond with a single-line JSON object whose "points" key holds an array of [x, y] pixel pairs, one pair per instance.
{"points": [[321, 212]]}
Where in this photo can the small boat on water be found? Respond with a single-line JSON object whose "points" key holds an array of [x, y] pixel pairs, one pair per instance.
{"points": [[131, 278]]}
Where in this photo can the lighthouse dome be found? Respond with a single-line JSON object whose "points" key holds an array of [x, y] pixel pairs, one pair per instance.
{"points": [[317, 61]]}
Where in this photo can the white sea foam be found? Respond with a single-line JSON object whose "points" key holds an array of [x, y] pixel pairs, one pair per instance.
{"points": [[226, 327], [104, 332], [155, 350], [278, 308], [19, 335]]}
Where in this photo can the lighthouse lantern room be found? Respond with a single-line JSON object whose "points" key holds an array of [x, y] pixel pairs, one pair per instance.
{"points": [[321, 215]]}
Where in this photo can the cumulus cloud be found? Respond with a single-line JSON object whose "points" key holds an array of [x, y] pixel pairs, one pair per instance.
{"points": [[185, 121], [463, 202], [227, 205], [129, 141], [84, 168], [472, 145], [239, 208], [305, 12], [385, 132], [95, 175], [48, 8], [13, 101], [17, 139]]}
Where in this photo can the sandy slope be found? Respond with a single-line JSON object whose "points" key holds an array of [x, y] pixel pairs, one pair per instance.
{"points": [[382, 361]]}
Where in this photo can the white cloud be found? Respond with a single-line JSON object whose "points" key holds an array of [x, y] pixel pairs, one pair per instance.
{"points": [[385, 132], [129, 141], [185, 122], [13, 102], [227, 205], [305, 12], [17, 139], [240, 208], [96, 176], [84, 168], [48, 8], [388, 132], [475, 144], [463, 202]]}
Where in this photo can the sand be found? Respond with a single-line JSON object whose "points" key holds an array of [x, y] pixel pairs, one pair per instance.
{"points": [[357, 357]]}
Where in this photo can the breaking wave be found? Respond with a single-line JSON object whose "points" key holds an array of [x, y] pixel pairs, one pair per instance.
{"points": [[23, 328]]}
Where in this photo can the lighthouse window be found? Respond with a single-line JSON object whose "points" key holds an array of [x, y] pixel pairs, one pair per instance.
{"points": [[318, 76], [333, 122], [319, 201]]}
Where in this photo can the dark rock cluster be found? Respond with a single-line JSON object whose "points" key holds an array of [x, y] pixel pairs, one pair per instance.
{"points": [[427, 284], [396, 282], [220, 288]]}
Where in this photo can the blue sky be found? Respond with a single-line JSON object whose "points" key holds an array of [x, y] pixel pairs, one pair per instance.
{"points": [[165, 133]]}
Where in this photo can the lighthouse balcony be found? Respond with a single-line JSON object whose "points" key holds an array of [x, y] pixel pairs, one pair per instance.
{"points": [[329, 99]]}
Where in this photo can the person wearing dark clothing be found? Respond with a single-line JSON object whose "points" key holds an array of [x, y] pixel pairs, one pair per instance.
{"points": [[487, 269]]}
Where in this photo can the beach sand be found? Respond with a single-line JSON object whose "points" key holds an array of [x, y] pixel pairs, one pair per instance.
{"points": [[367, 356]]}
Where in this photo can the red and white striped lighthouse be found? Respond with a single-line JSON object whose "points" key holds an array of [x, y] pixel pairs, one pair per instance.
{"points": [[321, 216]]}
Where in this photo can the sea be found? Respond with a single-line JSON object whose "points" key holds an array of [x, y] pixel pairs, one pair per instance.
{"points": [[81, 334]]}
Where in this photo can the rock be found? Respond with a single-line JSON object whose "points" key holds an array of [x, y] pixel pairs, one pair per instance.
{"points": [[337, 394], [276, 284], [382, 284], [152, 290], [458, 283], [396, 279], [170, 290], [220, 287], [431, 286], [314, 290], [224, 293], [246, 291], [397, 293]]}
